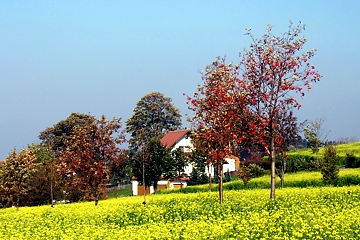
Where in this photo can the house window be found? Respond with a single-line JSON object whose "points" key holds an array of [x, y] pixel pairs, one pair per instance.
{"points": [[184, 148]]}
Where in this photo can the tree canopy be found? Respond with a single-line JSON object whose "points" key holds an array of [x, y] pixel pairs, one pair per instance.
{"points": [[154, 114], [247, 103], [89, 153], [54, 137]]}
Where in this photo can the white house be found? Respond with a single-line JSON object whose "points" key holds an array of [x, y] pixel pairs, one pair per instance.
{"points": [[181, 139]]}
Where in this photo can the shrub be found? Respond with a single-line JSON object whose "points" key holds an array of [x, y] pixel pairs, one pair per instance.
{"points": [[329, 169], [227, 176], [197, 177], [256, 170], [258, 160], [351, 160], [245, 174]]}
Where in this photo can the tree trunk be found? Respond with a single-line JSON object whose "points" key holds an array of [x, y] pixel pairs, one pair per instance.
{"points": [[51, 185], [220, 176], [181, 186], [273, 173], [282, 180], [210, 180], [97, 199]]}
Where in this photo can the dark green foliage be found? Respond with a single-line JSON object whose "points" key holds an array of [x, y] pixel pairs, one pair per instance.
{"points": [[352, 161], [256, 170], [198, 177], [199, 160], [178, 163], [155, 115], [156, 160], [296, 163], [227, 176], [329, 169], [54, 137]]}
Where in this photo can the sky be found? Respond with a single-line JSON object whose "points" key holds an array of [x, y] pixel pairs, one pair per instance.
{"points": [[101, 57]]}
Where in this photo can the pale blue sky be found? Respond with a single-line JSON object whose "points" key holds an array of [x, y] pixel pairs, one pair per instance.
{"points": [[58, 57]]}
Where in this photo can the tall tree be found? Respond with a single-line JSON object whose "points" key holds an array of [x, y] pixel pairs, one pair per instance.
{"points": [[154, 114], [220, 114], [272, 72], [89, 153]]}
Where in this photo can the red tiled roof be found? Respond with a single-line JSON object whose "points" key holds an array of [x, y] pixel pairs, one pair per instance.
{"points": [[172, 137]]}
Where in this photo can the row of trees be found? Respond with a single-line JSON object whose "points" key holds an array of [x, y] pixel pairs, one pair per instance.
{"points": [[78, 156], [72, 162], [249, 105]]}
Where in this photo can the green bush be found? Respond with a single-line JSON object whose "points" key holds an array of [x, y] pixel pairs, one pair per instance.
{"points": [[329, 169], [296, 163], [352, 161], [256, 170], [197, 177], [227, 176]]}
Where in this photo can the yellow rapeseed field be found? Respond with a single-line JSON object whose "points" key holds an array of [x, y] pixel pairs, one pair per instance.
{"points": [[306, 213]]}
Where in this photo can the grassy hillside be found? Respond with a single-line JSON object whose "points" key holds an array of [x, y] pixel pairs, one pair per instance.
{"points": [[347, 177], [342, 149]]}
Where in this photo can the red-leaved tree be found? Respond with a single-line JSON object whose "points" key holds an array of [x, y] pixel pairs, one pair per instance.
{"points": [[90, 151], [220, 114], [272, 72]]}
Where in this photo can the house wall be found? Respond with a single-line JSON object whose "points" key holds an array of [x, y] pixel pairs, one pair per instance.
{"points": [[186, 144]]}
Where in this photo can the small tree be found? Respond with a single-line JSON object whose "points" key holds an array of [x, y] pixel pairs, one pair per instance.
{"points": [[151, 162], [179, 163], [315, 135], [227, 176], [329, 170], [245, 174]]}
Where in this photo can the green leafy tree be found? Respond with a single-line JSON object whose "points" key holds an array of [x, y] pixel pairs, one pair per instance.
{"points": [[178, 163], [151, 162], [155, 115], [329, 169]]}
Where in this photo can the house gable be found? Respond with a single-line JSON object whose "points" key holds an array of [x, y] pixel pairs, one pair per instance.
{"points": [[175, 139]]}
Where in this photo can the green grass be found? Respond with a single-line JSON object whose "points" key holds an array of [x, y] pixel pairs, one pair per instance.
{"points": [[120, 193], [347, 177], [342, 149]]}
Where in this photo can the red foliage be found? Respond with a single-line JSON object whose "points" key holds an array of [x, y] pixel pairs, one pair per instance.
{"points": [[89, 154]]}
